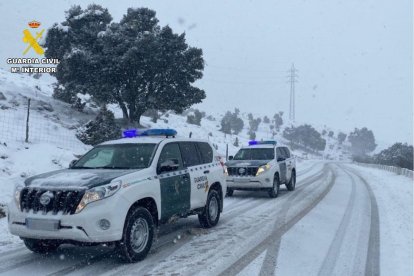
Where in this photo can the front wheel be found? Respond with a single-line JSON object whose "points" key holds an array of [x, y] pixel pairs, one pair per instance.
{"points": [[292, 183], [41, 246], [274, 191], [211, 213], [137, 236]]}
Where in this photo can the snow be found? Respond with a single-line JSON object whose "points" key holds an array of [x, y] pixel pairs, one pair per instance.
{"points": [[74, 179], [394, 195]]}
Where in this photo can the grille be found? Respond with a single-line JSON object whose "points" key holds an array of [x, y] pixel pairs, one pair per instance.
{"points": [[64, 201], [248, 171]]}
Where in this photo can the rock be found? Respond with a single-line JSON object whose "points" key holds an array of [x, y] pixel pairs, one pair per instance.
{"points": [[47, 107], [2, 97]]}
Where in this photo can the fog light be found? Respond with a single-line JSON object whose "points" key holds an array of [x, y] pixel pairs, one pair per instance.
{"points": [[104, 224]]}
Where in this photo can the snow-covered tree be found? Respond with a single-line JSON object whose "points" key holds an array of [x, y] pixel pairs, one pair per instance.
{"points": [[278, 120], [135, 63], [362, 141], [102, 128], [341, 137], [399, 154]]}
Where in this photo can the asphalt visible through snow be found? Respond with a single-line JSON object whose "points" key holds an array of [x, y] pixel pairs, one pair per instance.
{"points": [[333, 209]]}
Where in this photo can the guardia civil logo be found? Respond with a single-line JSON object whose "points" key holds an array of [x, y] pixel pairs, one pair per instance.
{"points": [[32, 40]]}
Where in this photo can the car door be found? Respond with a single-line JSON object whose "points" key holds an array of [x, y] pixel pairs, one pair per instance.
{"points": [[281, 160], [289, 163], [175, 186], [212, 173], [192, 163]]}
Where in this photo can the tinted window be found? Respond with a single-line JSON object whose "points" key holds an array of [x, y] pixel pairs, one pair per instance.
{"points": [[280, 153], [287, 152], [171, 151], [206, 152], [255, 154], [190, 154]]}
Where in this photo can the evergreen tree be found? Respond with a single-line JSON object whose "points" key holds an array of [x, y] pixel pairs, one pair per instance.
{"points": [[252, 135], [101, 129], [331, 133], [135, 63], [362, 141], [266, 120], [341, 137], [195, 118], [278, 120], [399, 155]]}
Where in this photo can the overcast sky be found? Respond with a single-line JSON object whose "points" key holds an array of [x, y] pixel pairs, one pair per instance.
{"points": [[354, 58]]}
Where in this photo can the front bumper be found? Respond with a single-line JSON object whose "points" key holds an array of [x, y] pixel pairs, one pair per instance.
{"points": [[81, 227], [249, 182]]}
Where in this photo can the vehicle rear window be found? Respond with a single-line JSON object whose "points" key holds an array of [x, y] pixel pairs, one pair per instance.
{"points": [[190, 154], [206, 152]]}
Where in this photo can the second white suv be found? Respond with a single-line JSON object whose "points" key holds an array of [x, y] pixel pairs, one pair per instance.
{"points": [[263, 165]]}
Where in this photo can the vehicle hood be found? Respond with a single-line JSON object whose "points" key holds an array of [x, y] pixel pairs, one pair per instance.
{"points": [[75, 178], [246, 163]]}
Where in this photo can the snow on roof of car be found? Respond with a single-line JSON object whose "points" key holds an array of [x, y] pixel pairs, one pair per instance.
{"points": [[136, 140]]}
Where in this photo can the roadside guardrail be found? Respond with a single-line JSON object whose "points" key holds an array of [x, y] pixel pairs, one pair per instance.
{"points": [[397, 170]]}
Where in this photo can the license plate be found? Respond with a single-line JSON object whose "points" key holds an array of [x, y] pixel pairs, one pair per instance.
{"points": [[242, 180], [42, 224]]}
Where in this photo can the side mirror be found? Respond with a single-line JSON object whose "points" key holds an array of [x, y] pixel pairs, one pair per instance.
{"points": [[231, 157], [72, 163], [168, 165], [280, 159]]}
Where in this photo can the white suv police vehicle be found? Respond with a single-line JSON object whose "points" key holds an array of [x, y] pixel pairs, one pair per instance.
{"points": [[120, 191], [263, 165]]}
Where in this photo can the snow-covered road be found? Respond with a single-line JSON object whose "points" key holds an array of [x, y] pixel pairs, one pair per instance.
{"points": [[341, 220]]}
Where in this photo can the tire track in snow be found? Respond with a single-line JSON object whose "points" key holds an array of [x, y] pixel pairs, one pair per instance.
{"points": [[279, 229], [372, 264], [329, 262], [246, 204]]}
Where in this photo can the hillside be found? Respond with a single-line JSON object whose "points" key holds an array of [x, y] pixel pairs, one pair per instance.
{"points": [[52, 127]]}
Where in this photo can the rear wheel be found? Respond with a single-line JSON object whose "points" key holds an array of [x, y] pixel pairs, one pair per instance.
{"points": [[229, 192], [138, 235], [292, 183], [274, 191], [211, 213], [41, 246]]}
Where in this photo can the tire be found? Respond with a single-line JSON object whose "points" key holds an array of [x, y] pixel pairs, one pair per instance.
{"points": [[292, 182], [229, 192], [211, 214], [137, 236], [41, 246], [274, 191]]}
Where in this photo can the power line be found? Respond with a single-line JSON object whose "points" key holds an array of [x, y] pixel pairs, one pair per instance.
{"points": [[292, 79]]}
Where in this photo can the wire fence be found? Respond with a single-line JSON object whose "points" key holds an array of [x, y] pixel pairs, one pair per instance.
{"points": [[17, 124], [397, 170]]}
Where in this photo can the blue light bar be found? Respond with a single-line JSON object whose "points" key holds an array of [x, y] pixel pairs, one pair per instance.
{"points": [[130, 133], [159, 132], [269, 142]]}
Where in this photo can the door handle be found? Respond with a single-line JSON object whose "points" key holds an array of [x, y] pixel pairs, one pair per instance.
{"points": [[206, 172]]}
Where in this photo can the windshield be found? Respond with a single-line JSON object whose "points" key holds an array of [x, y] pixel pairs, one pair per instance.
{"points": [[117, 156], [255, 154]]}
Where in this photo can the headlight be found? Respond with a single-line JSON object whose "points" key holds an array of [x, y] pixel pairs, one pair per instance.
{"points": [[98, 193], [262, 169], [17, 191]]}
